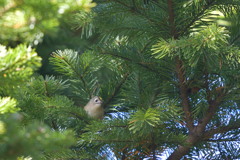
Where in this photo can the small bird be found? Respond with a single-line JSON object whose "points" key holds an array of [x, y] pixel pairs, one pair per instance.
{"points": [[94, 108]]}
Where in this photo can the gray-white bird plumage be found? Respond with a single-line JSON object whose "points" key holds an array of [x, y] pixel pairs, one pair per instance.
{"points": [[94, 108]]}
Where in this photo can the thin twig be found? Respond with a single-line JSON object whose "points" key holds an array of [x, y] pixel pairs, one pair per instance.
{"points": [[116, 90]]}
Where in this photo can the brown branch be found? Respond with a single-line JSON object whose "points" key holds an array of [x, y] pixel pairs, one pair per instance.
{"points": [[222, 129], [180, 73], [212, 108], [197, 133], [171, 19], [54, 125], [192, 139], [194, 132], [183, 150], [222, 140], [184, 95], [124, 155]]}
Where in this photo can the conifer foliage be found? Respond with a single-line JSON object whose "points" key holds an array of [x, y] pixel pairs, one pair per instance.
{"points": [[167, 71], [21, 135], [169, 74]]}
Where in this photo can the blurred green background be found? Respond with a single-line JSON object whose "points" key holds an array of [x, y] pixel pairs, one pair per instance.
{"points": [[46, 25]]}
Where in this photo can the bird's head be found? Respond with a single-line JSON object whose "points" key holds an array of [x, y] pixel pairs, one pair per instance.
{"points": [[96, 100]]}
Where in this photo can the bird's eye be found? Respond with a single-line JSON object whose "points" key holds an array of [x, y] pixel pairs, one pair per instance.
{"points": [[96, 100]]}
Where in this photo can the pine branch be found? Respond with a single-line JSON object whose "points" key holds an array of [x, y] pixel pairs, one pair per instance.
{"points": [[119, 126], [235, 39], [197, 17], [132, 61], [80, 76], [222, 129], [9, 66], [196, 135], [171, 19], [184, 95], [191, 139], [135, 11], [46, 88], [113, 140], [222, 140], [181, 150], [180, 73], [213, 106], [75, 71], [146, 46], [116, 90], [78, 116]]}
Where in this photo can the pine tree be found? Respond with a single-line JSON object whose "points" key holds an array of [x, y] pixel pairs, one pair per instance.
{"points": [[168, 72]]}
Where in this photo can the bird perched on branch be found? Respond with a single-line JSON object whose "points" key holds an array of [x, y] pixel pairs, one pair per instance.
{"points": [[94, 108]]}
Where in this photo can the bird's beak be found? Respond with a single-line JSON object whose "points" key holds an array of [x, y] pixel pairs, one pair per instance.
{"points": [[101, 101]]}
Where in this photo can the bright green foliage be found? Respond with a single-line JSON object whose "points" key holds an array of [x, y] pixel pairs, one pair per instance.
{"points": [[44, 24], [88, 73], [21, 135], [161, 67], [7, 105], [92, 74], [30, 140], [210, 45], [168, 72], [17, 65], [142, 120], [27, 21], [42, 99]]}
